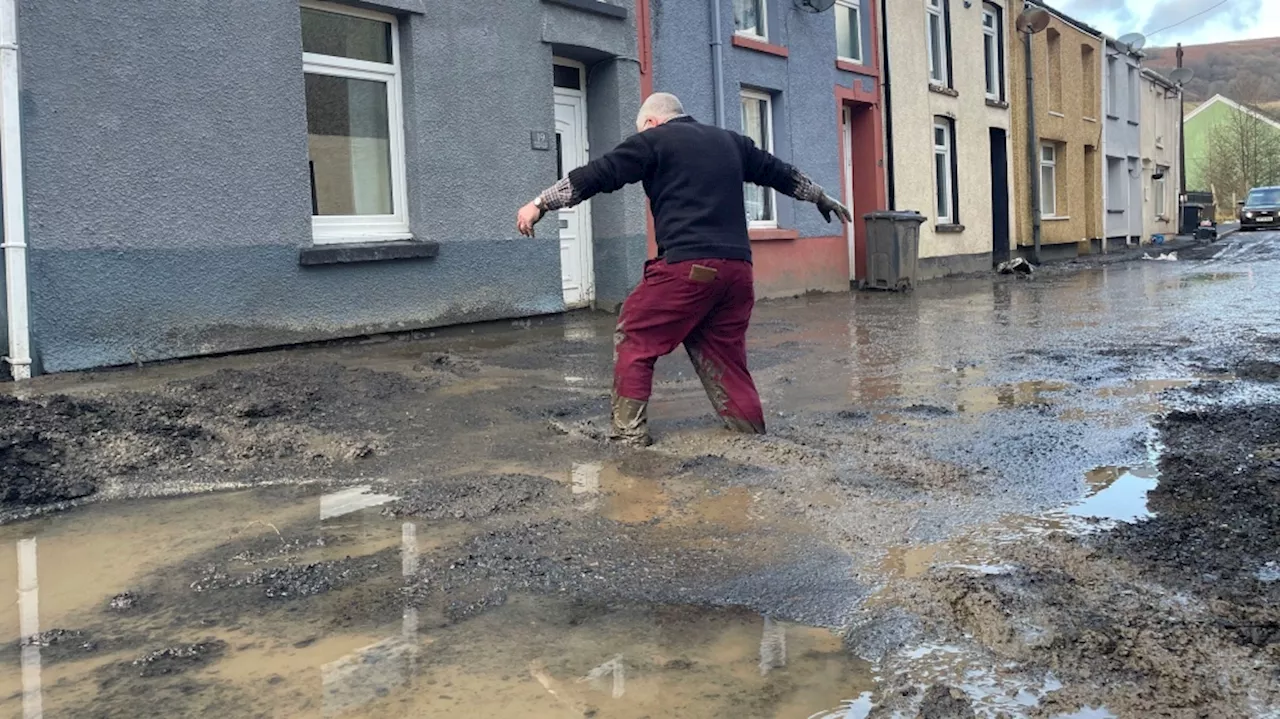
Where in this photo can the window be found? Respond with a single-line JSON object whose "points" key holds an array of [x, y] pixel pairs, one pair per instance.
{"points": [[1049, 179], [1133, 94], [749, 18], [1090, 71], [1053, 39], [355, 134], [938, 42], [993, 51], [1117, 185], [1113, 87], [849, 30], [944, 170], [757, 124], [1159, 191]]}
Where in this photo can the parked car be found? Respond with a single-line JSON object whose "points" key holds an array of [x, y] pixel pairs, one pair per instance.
{"points": [[1261, 209]]}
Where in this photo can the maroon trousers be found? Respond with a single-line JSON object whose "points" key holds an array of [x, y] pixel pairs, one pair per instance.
{"points": [[705, 305]]}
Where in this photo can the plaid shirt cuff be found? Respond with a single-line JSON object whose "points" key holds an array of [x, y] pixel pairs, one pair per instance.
{"points": [[806, 189], [558, 196]]}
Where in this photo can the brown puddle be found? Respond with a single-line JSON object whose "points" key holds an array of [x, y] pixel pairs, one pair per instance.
{"points": [[362, 651]]}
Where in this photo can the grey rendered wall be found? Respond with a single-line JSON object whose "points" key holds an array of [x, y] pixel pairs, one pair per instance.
{"points": [[806, 123], [1122, 138], [168, 188]]}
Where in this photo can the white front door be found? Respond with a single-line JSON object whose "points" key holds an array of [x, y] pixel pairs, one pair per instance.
{"points": [[848, 189], [577, 273]]}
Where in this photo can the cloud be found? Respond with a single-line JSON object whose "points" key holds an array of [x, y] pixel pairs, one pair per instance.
{"points": [[1230, 21]]}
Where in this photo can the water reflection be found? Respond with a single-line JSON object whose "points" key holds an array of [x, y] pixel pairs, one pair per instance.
{"points": [[29, 629]]}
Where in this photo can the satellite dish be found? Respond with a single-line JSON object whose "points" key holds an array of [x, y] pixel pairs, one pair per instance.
{"points": [[1135, 41], [814, 6], [1033, 20], [1182, 75]]}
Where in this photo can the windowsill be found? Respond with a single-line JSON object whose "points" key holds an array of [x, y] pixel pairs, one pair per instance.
{"points": [[1134, 123], [355, 252], [766, 234], [998, 104], [751, 42], [1055, 113], [593, 6], [1116, 212], [941, 90], [1112, 117], [1090, 119], [852, 66], [1054, 218], [948, 229]]}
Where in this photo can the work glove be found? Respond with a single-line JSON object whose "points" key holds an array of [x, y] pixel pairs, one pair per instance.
{"points": [[828, 205]]}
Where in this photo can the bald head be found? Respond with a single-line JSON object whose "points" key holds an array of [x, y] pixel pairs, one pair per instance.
{"points": [[657, 109]]}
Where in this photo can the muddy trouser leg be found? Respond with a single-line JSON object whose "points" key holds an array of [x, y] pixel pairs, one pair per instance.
{"points": [[655, 319], [718, 350]]}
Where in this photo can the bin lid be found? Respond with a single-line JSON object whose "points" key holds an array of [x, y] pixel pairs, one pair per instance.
{"points": [[898, 216], [1195, 205]]}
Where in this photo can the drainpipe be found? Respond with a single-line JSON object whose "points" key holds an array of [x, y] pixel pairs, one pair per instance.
{"points": [[14, 242], [888, 103], [1033, 150], [717, 62]]}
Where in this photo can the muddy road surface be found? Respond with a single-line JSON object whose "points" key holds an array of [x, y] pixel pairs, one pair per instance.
{"points": [[995, 497]]}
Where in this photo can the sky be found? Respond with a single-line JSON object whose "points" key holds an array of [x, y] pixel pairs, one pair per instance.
{"points": [[1234, 20]]}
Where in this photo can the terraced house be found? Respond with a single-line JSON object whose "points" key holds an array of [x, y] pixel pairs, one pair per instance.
{"points": [[1063, 154], [804, 85], [950, 118]]}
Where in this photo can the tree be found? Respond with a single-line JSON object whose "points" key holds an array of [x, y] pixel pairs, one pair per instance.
{"points": [[1242, 152]]}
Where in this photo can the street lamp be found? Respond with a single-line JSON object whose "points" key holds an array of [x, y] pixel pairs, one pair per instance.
{"points": [[1180, 77], [1033, 20]]}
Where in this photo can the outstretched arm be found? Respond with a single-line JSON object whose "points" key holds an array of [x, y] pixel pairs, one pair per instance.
{"points": [[625, 164], [762, 168]]}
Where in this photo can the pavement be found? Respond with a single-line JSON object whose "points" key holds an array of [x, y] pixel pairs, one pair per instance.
{"points": [[993, 496]]}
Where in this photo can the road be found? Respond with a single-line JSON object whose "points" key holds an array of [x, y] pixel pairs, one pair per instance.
{"points": [[1043, 497]]}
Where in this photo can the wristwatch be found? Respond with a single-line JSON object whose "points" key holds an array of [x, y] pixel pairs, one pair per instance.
{"points": [[541, 205]]}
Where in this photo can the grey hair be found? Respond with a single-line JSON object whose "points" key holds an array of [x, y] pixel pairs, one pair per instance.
{"points": [[659, 106]]}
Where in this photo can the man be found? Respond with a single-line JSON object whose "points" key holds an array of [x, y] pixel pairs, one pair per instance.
{"points": [[699, 292]]}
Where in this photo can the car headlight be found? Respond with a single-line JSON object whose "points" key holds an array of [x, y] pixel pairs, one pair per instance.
{"points": [[1248, 215]]}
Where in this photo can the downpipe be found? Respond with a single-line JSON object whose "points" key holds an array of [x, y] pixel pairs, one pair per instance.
{"points": [[717, 62], [14, 243]]}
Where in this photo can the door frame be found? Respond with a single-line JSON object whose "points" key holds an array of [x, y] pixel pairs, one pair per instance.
{"points": [[1001, 196], [586, 241], [846, 170]]}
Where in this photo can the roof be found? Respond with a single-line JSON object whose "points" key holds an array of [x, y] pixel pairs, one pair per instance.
{"points": [[1079, 25], [1158, 78], [1235, 106]]}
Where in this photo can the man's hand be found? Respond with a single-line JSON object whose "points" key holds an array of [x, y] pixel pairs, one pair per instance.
{"points": [[527, 217], [828, 205]]}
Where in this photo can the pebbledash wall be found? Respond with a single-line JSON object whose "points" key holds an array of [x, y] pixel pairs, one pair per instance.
{"points": [[795, 65], [168, 183]]}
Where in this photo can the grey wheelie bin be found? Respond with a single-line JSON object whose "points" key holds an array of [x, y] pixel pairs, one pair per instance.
{"points": [[893, 249]]}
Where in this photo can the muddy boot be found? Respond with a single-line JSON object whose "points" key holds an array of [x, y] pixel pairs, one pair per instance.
{"points": [[630, 422], [742, 426]]}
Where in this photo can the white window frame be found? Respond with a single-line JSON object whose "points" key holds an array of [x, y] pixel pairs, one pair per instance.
{"points": [[1160, 193], [762, 28], [1113, 87], [855, 6], [948, 152], [768, 138], [339, 229], [993, 63], [935, 8], [1053, 166]]}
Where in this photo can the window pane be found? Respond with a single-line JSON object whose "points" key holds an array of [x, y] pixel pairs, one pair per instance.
{"points": [[755, 125], [939, 137], [992, 62], [1048, 153], [1048, 191], [349, 143], [327, 33], [848, 32], [935, 45], [941, 181], [746, 16], [570, 78]]}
